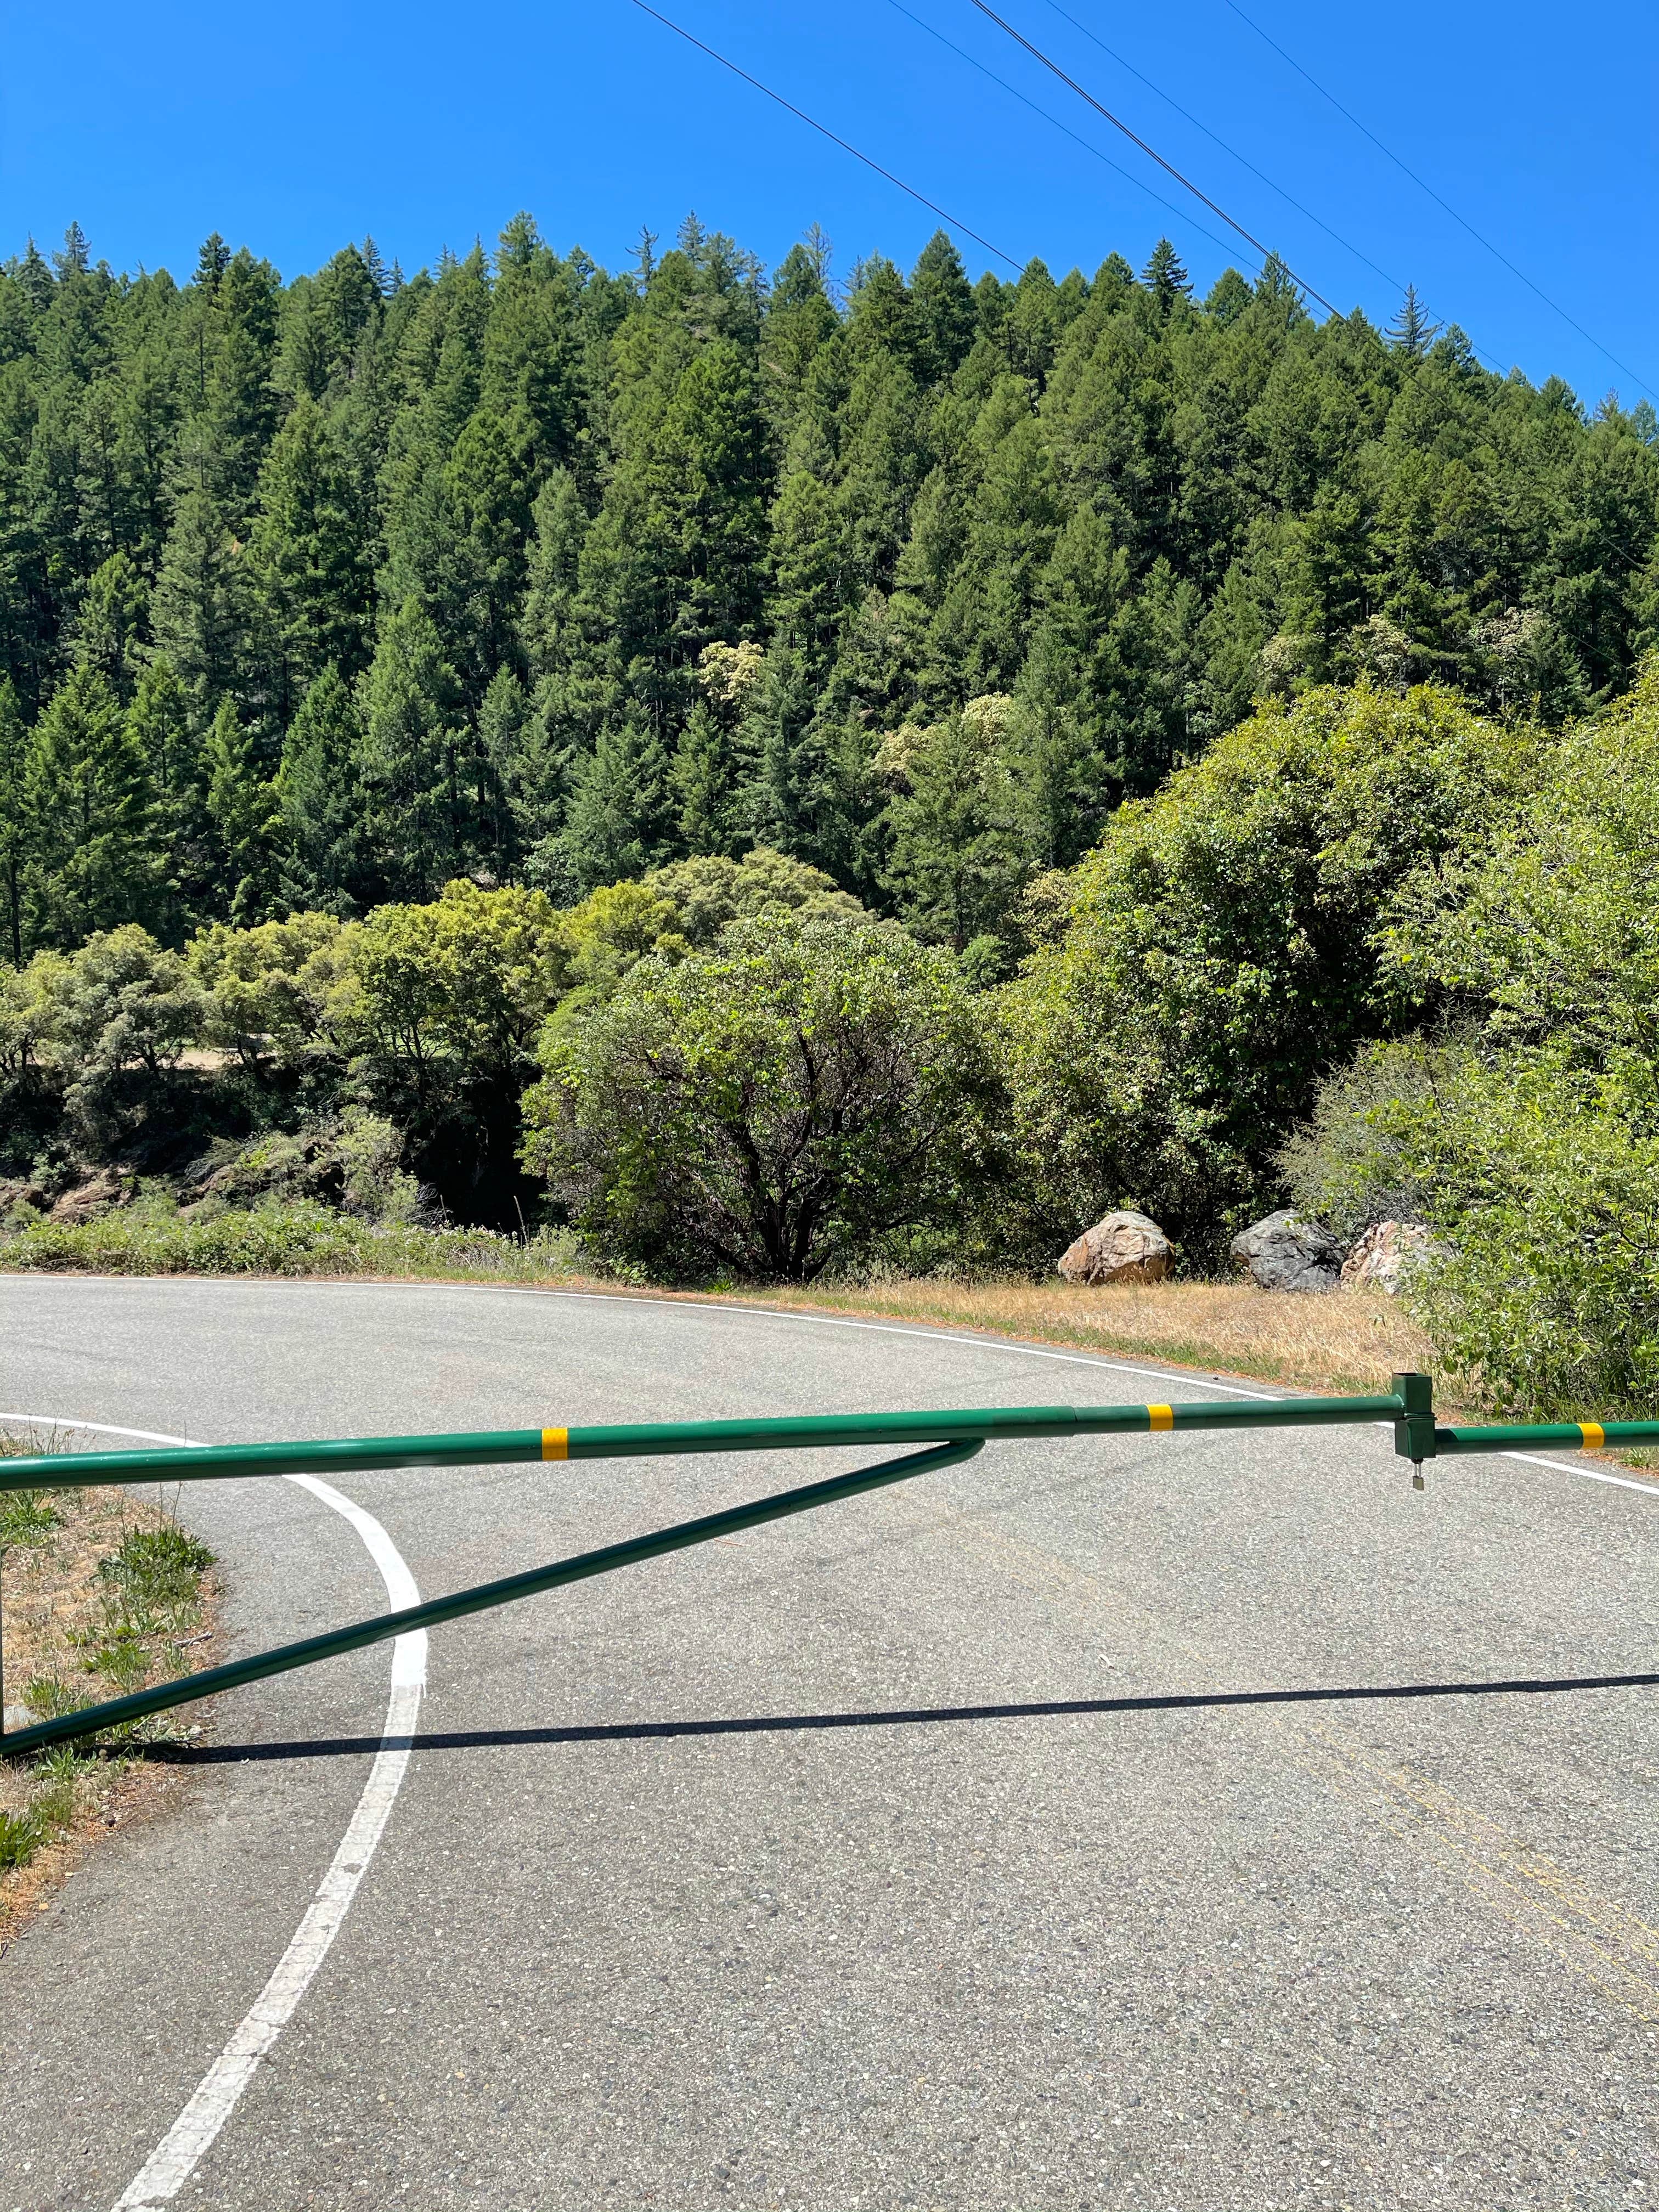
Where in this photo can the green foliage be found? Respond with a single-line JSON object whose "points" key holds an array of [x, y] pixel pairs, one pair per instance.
{"points": [[21, 1837], [1228, 941], [1529, 1141], [455, 553], [773, 1107], [291, 1238]]}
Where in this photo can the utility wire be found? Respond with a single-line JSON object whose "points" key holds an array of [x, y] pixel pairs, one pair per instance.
{"points": [[1117, 123], [1348, 245], [1112, 54], [1422, 186], [801, 114], [1128, 175]]}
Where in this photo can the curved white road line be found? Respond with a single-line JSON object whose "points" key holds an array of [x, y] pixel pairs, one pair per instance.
{"points": [[175, 2158]]}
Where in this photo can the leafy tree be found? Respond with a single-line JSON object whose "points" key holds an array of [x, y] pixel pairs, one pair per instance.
{"points": [[774, 1106], [1228, 941]]}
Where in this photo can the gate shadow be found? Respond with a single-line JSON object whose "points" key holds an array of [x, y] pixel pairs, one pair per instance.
{"points": [[219, 1754]]}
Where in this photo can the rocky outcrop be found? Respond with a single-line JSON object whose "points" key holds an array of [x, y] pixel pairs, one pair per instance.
{"points": [[1286, 1253], [20, 1195], [88, 1200], [1121, 1247], [1384, 1256]]}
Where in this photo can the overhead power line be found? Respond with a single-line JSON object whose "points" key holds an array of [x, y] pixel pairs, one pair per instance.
{"points": [[1243, 161], [824, 132], [1424, 186], [1118, 123], [1076, 139]]}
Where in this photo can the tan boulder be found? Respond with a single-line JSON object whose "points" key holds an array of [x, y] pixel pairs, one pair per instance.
{"points": [[1121, 1247], [1384, 1256]]}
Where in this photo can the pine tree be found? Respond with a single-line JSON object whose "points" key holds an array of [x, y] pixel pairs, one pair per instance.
{"points": [[322, 801], [109, 624], [247, 815], [421, 765], [211, 262], [704, 775], [159, 725], [552, 567], [241, 413], [15, 820], [942, 301], [92, 860], [620, 809], [1410, 333], [308, 561], [197, 611], [957, 858], [1164, 276]]}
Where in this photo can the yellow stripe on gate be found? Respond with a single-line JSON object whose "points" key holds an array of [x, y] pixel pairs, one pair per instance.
{"points": [[556, 1444], [1592, 1432], [1160, 1416]]}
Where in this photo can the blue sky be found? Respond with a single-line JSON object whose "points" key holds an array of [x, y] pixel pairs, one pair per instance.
{"points": [[294, 129]]}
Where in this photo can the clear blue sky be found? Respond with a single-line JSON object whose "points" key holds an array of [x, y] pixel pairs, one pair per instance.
{"points": [[294, 129]]}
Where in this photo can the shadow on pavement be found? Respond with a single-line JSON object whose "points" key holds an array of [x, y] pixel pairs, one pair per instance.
{"points": [[899, 1717]]}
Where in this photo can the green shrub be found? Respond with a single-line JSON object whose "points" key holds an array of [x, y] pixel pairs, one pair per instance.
{"points": [[300, 1238], [1540, 1181], [1357, 1159], [1544, 1187], [1228, 941], [770, 1108]]}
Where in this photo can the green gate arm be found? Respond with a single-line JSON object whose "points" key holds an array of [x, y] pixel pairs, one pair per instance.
{"points": [[628, 1440], [383, 1627], [1556, 1436]]}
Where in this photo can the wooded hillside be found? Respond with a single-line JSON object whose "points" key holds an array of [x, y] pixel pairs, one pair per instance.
{"points": [[321, 592]]}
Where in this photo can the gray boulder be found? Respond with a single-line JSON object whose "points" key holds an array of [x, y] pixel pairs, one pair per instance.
{"points": [[1121, 1247], [1287, 1253]]}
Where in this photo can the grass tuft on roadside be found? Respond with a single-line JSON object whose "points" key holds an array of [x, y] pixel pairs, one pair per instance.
{"points": [[100, 1594]]}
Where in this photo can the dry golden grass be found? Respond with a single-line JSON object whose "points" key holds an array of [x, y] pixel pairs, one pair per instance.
{"points": [[1342, 1343]]}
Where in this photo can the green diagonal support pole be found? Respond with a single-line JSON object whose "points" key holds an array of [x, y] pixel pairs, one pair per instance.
{"points": [[385, 1625], [947, 1435]]}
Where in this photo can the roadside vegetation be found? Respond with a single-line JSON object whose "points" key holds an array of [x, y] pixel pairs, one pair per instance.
{"points": [[721, 780], [104, 1594]]}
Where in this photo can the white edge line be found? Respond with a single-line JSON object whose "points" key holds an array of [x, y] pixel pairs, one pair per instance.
{"points": [[175, 2158]]}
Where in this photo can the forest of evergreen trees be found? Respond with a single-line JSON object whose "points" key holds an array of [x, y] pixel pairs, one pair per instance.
{"points": [[323, 592]]}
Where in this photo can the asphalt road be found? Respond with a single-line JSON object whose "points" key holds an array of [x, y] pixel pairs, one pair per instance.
{"points": [[873, 1950]]}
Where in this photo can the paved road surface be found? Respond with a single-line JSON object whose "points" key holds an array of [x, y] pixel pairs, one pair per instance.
{"points": [[612, 1952]]}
